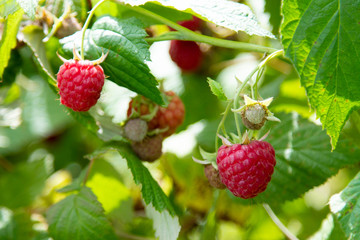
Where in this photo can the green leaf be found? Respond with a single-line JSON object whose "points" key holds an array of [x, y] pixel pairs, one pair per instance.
{"points": [[346, 207], [107, 184], [79, 217], [15, 225], [27, 181], [303, 158], [29, 6], [8, 7], [165, 225], [330, 229], [217, 90], [85, 119], [229, 14], [8, 39], [150, 189], [33, 36], [128, 51], [321, 39]]}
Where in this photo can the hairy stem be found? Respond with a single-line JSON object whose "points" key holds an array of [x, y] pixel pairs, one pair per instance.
{"points": [[278, 223]]}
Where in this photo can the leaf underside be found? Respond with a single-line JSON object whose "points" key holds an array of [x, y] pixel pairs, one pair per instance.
{"points": [[229, 14]]}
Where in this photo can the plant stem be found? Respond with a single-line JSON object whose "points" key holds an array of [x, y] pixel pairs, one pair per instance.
{"points": [[261, 65], [188, 35], [278, 223], [221, 124], [237, 95], [86, 25]]}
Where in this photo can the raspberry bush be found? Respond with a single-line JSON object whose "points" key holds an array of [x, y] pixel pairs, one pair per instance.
{"points": [[253, 133]]}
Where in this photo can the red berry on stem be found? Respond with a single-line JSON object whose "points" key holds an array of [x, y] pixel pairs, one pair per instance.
{"points": [[192, 24], [80, 83], [246, 169], [186, 54]]}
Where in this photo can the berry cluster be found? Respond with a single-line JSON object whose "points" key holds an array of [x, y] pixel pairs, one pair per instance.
{"points": [[187, 54], [148, 124]]}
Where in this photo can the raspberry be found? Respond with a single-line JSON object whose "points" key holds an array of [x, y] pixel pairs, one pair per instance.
{"points": [[149, 149], [136, 129], [246, 169], [80, 83], [186, 54], [193, 24], [170, 117], [213, 177]]}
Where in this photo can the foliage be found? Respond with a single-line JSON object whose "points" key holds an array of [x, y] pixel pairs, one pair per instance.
{"points": [[74, 175]]}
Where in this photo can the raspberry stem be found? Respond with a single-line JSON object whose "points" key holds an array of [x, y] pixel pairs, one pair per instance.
{"points": [[278, 223], [237, 96], [188, 35], [86, 25], [258, 68]]}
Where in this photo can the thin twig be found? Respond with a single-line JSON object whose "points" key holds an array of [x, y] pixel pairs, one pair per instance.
{"points": [[278, 223]]}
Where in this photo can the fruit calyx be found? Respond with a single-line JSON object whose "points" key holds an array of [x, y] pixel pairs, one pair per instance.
{"points": [[254, 113], [77, 57]]}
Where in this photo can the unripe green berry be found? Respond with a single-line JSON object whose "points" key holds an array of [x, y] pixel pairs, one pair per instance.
{"points": [[254, 116]]}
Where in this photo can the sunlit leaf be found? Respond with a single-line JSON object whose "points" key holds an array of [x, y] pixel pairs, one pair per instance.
{"points": [[8, 38], [217, 89], [78, 217], [321, 37]]}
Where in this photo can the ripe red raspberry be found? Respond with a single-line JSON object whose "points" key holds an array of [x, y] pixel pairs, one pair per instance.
{"points": [[149, 149], [246, 169], [80, 83], [186, 54], [170, 117]]}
